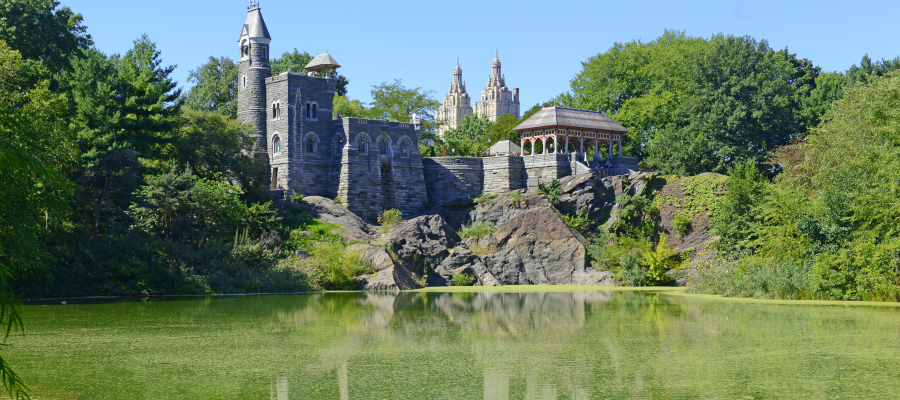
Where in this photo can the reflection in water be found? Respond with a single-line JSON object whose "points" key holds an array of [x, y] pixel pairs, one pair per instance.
{"points": [[577, 345]]}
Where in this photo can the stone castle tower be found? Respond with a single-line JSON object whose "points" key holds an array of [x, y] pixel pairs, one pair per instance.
{"points": [[455, 106], [496, 98], [252, 74], [367, 165]]}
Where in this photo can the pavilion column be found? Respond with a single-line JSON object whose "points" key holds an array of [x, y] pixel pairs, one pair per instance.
{"points": [[522, 139], [567, 144], [544, 145], [596, 150], [610, 147], [620, 147], [582, 146]]}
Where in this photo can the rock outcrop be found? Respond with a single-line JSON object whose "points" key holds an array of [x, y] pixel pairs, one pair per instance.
{"points": [[422, 239], [393, 278], [326, 210], [462, 260], [528, 255]]}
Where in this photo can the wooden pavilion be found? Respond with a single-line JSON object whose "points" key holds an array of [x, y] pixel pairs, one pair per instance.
{"points": [[563, 128]]}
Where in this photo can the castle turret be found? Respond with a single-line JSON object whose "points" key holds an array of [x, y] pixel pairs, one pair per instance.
{"points": [[252, 74]]}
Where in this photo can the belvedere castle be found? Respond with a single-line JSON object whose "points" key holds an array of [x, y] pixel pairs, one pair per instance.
{"points": [[374, 165]]}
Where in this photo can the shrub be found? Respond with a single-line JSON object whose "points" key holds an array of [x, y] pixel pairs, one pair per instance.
{"points": [[752, 277], [477, 230], [463, 279], [660, 261], [551, 190], [390, 218], [632, 271], [682, 224], [334, 268], [579, 222], [297, 197]]}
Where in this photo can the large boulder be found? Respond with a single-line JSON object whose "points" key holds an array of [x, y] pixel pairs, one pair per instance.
{"points": [[462, 260], [377, 257], [326, 210], [507, 206], [536, 248], [426, 238], [393, 279]]}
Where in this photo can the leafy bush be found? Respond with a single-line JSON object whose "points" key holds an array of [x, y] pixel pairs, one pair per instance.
{"points": [[632, 271], [551, 190], [637, 217], [477, 230], [754, 278], [333, 267], [390, 218], [463, 279], [579, 222], [660, 261], [682, 224]]}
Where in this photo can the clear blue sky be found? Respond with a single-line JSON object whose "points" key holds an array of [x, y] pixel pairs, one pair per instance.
{"points": [[541, 43]]}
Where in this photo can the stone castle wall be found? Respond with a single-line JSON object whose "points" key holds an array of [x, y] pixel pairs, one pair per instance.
{"points": [[381, 168], [451, 178]]}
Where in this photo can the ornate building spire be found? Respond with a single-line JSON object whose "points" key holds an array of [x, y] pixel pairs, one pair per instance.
{"points": [[496, 98], [456, 104]]}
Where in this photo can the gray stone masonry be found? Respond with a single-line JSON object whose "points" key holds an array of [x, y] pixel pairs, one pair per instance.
{"points": [[308, 159], [502, 174], [381, 167], [450, 178]]}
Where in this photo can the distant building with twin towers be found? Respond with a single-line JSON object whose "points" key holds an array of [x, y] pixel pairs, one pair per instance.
{"points": [[496, 99]]}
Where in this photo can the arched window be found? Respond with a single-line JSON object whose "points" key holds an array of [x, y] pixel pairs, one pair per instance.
{"points": [[310, 146], [274, 111], [276, 144], [363, 148], [308, 110], [383, 148], [338, 144], [314, 111], [404, 149]]}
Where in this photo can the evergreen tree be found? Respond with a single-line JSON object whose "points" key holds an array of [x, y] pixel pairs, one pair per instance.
{"points": [[151, 99]]}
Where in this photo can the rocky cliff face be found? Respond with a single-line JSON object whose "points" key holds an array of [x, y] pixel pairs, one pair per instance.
{"points": [[531, 244]]}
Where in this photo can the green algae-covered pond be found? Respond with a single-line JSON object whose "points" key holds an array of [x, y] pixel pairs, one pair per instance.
{"points": [[458, 345]]}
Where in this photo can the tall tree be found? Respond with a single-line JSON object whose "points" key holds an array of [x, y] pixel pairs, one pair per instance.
{"points": [[215, 87], [469, 138], [151, 99]]}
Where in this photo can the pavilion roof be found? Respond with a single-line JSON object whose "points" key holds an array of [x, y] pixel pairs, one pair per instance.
{"points": [[322, 61], [570, 118]]}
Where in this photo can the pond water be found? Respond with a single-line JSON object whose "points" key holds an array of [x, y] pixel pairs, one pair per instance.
{"points": [[458, 345]]}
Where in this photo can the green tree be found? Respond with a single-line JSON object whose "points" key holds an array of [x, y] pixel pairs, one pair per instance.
{"points": [[394, 102], [36, 148], [345, 107], [217, 147], [42, 31], [743, 103], [469, 138], [215, 87], [151, 99]]}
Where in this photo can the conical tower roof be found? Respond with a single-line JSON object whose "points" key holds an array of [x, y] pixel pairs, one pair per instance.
{"points": [[255, 26]]}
